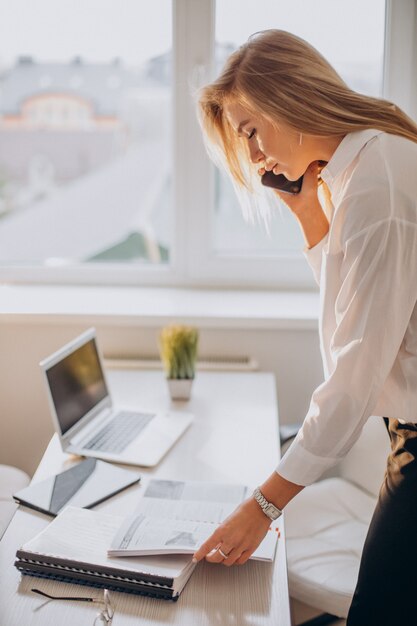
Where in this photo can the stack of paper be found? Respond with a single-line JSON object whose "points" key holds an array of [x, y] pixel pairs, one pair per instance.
{"points": [[148, 553], [73, 548]]}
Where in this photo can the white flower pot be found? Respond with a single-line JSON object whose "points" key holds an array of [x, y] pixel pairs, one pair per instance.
{"points": [[180, 388]]}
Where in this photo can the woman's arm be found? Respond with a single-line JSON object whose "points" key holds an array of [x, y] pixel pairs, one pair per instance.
{"points": [[372, 301], [242, 532], [307, 209], [313, 223]]}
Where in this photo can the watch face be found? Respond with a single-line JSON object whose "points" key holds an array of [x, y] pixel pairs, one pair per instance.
{"points": [[272, 512]]}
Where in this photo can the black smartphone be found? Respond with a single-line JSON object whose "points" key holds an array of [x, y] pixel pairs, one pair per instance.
{"points": [[278, 181]]}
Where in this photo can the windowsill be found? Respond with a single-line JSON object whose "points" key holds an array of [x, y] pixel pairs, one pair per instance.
{"points": [[145, 306]]}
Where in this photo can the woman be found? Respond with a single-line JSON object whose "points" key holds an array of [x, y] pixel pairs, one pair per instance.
{"points": [[278, 105]]}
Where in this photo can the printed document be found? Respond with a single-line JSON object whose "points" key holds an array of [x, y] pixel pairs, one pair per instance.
{"points": [[176, 517]]}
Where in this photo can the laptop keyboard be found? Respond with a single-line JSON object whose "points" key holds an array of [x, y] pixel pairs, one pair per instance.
{"points": [[119, 432]]}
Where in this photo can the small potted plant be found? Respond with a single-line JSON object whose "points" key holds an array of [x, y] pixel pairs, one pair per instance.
{"points": [[178, 348]]}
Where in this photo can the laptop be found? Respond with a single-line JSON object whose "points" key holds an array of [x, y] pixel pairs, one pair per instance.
{"points": [[86, 420]]}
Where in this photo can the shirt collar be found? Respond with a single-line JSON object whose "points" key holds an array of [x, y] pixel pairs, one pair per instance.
{"points": [[347, 150]]}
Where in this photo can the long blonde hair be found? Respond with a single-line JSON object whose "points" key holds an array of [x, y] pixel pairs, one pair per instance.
{"points": [[282, 77]]}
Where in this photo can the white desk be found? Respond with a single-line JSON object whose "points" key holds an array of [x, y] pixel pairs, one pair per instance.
{"points": [[234, 438]]}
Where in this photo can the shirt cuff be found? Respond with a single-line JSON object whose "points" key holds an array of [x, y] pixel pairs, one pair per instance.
{"points": [[314, 256], [301, 467]]}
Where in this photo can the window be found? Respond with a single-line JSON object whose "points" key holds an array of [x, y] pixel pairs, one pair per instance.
{"points": [[103, 173], [85, 132]]}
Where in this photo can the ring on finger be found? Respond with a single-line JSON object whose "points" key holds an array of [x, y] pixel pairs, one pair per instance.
{"points": [[225, 556]]}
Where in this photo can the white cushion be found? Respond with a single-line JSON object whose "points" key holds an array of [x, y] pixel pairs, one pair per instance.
{"points": [[11, 480], [326, 526]]}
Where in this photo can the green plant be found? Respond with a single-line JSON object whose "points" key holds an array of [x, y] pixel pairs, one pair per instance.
{"points": [[178, 348]]}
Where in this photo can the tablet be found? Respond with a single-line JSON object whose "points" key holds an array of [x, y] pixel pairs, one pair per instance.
{"points": [[84, 485]]}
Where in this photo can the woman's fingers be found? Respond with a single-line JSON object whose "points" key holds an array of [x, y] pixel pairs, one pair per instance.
{"points": [[208, 546], [308, 194], [245, 556], [232, 556], [241, 532], [223, 554]]}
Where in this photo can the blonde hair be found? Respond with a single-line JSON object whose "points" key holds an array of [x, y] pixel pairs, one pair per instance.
{"points": [[281, 77]]}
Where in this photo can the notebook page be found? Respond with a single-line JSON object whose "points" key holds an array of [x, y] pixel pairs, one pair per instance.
{"points": [[84, 536], [208, 512]]}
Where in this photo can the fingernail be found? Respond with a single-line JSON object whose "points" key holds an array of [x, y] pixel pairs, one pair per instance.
{"points": [[194, 560]]}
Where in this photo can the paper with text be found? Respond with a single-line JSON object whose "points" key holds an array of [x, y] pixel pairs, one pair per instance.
{"points": [[175, 517], [83, 536]]}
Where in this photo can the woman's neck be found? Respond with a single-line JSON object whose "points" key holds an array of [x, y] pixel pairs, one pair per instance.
{"points": [[327, 146]]}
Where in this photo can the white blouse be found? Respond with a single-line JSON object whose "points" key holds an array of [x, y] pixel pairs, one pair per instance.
{"points": [[366, 267]]}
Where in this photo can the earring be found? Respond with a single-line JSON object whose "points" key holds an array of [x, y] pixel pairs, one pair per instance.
{"points": [[300, 141]]}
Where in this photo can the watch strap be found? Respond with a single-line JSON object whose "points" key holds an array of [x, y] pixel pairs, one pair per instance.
{"points": [[270, 510]]}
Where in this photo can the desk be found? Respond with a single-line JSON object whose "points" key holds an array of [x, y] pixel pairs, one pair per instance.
{"points": [[234, 439]]}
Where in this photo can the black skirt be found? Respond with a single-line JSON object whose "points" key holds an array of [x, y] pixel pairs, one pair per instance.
{"points": [[386, 592]]}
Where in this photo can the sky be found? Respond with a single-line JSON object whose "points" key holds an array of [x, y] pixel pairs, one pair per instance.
{"points": [[97, 30], [135, 30], [357, 25]]}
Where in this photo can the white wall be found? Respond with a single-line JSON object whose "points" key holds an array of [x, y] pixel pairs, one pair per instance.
{"points": [[25, 424]]}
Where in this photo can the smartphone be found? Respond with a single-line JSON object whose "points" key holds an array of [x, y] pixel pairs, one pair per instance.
{"points": [[278, 181]]}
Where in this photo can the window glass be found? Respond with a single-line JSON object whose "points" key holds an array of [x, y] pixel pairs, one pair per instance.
{"points": [[85, 131], [350, 35]]}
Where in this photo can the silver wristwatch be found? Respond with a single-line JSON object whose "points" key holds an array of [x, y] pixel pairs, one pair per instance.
{"points": [[268, 508]]}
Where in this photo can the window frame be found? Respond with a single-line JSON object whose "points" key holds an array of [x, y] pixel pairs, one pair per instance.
{"points": [[193, 262]]}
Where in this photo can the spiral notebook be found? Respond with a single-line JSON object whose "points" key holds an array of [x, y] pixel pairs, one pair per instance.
{"points": [[73, 548]]}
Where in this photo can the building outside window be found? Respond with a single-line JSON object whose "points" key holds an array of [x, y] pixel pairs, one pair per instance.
{"points": [[85, 122]]}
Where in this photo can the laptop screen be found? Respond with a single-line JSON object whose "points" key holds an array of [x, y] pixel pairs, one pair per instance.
{"points": [[77, 384]]}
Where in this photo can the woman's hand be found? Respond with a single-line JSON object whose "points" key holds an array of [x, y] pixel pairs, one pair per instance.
{"points": [[306, 206], [307, 200], [237, 537], [242, 532]]}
